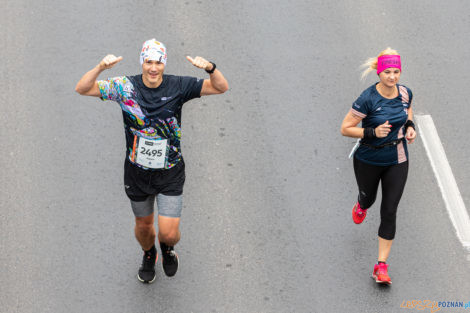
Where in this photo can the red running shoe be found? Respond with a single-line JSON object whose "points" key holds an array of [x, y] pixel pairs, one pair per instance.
{"points": [[380, 274], [358, 214]]}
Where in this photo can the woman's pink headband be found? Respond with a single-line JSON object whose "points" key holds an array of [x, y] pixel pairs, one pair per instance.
{"points": [[386, 61]]}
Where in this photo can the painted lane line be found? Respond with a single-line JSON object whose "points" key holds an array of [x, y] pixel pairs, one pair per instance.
{"points": [[449, 189]]}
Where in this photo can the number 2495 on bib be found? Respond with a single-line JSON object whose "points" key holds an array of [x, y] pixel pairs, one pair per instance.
{"points": [[150, 153]]}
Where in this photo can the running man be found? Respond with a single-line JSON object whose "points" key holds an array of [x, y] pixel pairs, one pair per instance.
{"points": [[151, 105]]}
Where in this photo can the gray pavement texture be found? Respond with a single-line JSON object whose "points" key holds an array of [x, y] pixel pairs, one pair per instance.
{"points": [[266, 221]]}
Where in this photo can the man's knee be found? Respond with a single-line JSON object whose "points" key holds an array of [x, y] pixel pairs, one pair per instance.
{"points": [[168, 229], [144, 224], [169, 235]]}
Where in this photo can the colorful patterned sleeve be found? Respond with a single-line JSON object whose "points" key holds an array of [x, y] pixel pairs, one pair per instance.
{"points": [[112, 88]]}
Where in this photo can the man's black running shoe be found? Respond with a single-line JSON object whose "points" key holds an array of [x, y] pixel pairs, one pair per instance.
{"points": [[170, 260], [147, 270]]}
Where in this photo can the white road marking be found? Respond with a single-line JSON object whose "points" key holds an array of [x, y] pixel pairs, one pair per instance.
{"points": [[449, 189]]}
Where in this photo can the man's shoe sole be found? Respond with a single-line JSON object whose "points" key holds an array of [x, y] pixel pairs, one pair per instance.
{"points": [[145, 281]]}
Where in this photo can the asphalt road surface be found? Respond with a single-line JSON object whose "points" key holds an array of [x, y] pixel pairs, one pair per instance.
{"points": [[266, 223]]}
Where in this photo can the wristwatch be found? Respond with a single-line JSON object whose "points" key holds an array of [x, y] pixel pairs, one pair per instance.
{"points": [[213, 68]]}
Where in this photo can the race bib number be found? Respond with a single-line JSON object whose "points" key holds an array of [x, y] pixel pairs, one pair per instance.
{"points": [[150, 153]]}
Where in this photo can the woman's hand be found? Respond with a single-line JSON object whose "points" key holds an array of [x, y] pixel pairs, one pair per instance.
{"points": [[410, 134], [383, 130]]}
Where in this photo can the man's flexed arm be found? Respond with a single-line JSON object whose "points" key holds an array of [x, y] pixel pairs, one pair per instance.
{"points": [[87, 85], [216, 83]]}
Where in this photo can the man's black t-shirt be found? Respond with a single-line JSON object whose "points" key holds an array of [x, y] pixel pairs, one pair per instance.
{"points": [[151, 114]]}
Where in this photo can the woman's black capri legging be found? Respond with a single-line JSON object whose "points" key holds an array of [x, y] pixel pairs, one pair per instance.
{"points": [[393, 180]]}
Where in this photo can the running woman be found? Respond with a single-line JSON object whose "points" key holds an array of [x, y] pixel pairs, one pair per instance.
{"points": [[382, 155], [151, 105]]}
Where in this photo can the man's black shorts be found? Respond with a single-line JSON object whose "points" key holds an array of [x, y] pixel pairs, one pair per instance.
{"points": [[140, 183]]}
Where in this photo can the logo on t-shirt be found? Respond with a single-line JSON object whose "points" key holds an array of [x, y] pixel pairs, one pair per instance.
{"points": [[165, 98]]}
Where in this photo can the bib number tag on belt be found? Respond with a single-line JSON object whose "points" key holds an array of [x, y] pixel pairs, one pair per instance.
{"points": [[150, 153]]}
